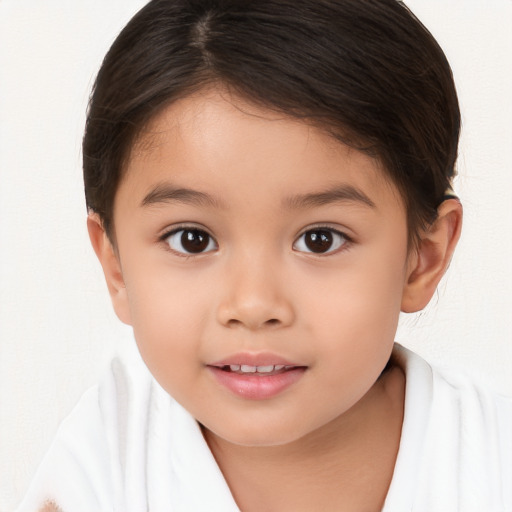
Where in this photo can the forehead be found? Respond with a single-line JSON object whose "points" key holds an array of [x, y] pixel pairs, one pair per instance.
{"points": [[219, 141]]}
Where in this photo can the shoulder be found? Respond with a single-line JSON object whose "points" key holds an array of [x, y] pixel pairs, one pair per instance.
{"points": [[446, 387], [85, 464], [479, 410], [456, 438], [123, 439], [453, 402]]}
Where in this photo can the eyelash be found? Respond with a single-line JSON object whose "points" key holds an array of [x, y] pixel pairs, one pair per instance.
{"points": [[183, 229], [341, 244]]}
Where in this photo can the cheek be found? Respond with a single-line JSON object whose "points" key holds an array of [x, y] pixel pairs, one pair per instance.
{"points": [[357, 310], [168, 316], [356, 338], [163, 299]]}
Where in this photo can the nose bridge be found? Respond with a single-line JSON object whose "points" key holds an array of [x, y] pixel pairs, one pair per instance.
{"points": [[254, 291]]}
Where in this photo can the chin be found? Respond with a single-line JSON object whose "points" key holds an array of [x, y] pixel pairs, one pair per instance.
{"points": [[258, 436]]}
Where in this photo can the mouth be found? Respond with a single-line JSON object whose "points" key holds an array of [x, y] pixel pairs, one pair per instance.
{"points": [[260, 371], [256, 377]]}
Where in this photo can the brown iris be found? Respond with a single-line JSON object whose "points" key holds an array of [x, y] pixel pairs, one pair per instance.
{"points": [[318, 240], [194, 240]]}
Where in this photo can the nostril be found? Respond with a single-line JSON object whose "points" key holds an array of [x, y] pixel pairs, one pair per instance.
{"points": [[272, 322]]}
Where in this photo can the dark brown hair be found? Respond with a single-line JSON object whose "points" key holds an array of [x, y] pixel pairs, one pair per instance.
{"points": [[365, 70]]}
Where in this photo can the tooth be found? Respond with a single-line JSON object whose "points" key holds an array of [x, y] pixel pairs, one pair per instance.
{"points": [[265, 369], [234, 367], [248, 369], [278, 366]]}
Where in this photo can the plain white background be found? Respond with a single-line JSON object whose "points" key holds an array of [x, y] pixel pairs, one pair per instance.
{"points": [[57, 329]]}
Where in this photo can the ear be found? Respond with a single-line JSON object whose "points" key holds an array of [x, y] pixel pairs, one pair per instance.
{"points": [[429, 261], [109, 260]]}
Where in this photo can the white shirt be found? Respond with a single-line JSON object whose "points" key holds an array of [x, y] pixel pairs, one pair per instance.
{"points": [[456, 446], [129, 447]]}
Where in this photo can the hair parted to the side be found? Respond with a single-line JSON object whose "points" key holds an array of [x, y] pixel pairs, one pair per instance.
{"points": [[367, 71]]}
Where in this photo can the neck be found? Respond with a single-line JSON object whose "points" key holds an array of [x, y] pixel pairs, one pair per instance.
{"points": [[345, 465]]}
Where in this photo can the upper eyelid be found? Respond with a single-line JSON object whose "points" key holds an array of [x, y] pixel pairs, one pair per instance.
{"points": [[325, 227], [345, 245], [163, 238], [170, 230]]}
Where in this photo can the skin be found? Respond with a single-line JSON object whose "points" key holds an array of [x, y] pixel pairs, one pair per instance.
{"points": [[330, 440], [50, 506]]}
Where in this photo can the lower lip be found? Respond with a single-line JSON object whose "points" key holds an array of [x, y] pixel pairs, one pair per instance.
{"points": [[257, 387]]}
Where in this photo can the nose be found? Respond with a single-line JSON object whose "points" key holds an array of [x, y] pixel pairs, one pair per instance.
{"points": [[254, 295]]}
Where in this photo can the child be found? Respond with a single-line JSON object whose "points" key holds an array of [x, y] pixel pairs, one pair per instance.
{"points": [[269, 186]]}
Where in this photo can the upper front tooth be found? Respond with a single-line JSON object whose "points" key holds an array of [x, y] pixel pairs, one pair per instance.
{"points": [[248, 369], [265, 369]]}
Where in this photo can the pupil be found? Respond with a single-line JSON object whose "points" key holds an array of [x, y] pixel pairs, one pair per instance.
{"points": [[319, 240], [194, 240]]}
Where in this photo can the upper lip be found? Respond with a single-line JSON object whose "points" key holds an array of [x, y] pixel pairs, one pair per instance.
{"points": [[254, 359]]}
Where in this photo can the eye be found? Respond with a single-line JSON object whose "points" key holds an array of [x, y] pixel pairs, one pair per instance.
{"points": [[320, 241], [190, 241]]}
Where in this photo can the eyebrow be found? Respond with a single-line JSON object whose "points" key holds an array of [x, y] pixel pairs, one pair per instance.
{"points": [[341, 193], [165, 193]]}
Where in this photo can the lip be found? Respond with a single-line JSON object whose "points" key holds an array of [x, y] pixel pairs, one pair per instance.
{"points": [[254, 359], [256, 386]]}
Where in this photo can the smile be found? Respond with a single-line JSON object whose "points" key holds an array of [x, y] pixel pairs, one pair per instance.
{"points": [[247, 379], [244, 369]]}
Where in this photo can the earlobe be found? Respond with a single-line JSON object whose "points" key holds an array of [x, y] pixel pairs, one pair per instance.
{"points": [[111, 265], [429, 261]]}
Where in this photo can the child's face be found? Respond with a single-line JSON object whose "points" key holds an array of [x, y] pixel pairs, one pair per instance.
{"points": [[228, 225]]}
